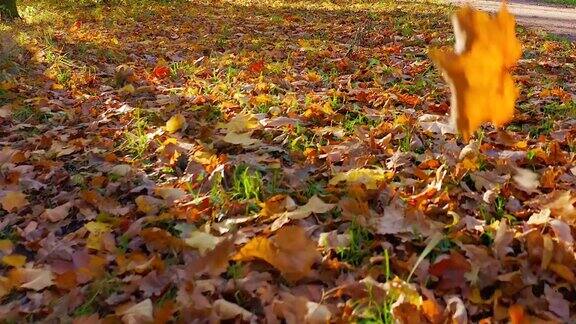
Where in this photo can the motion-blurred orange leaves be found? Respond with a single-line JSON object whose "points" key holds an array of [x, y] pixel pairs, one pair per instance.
{"points": [[290, 251], [477, 69]]}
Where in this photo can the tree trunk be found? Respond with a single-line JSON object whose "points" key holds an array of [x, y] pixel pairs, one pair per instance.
{"points": [[8, 9]]}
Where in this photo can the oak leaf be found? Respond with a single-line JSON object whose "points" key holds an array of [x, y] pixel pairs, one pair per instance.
{"points": [[477, 69], [314, 205], [290, 251]]}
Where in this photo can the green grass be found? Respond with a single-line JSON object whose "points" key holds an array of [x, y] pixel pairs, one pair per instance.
{"points": [[358, 249], [96, 292], [379, 312], [563, 2], [136, 140], [246, 184]]}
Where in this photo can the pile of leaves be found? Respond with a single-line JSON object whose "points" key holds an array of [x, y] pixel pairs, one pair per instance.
{"points": [[280, 161]]}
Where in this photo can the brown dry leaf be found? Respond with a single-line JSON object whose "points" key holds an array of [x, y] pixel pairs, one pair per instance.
{"points": [[13, 200], [58, 213], [477, 69], [226, 310], [136, 313], [148, 204], [35, 279], [290, 251]]}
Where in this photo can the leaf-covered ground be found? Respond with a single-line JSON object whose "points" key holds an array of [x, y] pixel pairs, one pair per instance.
{"points": [[275, 161]]}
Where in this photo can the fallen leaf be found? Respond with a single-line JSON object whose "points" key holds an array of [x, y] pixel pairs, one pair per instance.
{"points": [[290, 251], [556, 303], [13, 201], [314, 205], [14, 260], [136, 313], [369, 177], [226, 310], [58, 213], [96, 230], [240, 139], [148, 204], [35, 279], [526, 180], [242, 122], [202, 241], [477, 69], [175, 123], [161, 71]]}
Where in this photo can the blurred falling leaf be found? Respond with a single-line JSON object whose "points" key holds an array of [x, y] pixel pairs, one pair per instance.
{"points": [[175, 123], [290, 251], [477, 69], [13, 201]]}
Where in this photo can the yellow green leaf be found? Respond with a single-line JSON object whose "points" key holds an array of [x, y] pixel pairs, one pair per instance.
{"points": [[369, 177], [175, 123], [14, 260], [96, 229]]}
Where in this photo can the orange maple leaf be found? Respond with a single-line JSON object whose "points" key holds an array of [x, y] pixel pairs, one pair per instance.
{"points": [[478, 68], [290, 251]]}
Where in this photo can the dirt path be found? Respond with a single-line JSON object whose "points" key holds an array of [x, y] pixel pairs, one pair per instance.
{"points": [[556, 19]]}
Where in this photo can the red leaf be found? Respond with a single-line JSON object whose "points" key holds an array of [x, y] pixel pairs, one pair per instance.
{"points": [[451, 271], [161, 72], [256, 67]]}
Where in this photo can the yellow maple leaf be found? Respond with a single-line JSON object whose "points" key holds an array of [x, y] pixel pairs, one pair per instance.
{"points": [[478, 68], [290, 251]]}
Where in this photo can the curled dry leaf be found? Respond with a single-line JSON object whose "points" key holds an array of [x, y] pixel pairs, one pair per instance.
{"points": [[290, 251], [314, 205]]}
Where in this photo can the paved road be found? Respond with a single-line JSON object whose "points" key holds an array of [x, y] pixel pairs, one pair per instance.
{"points": [[556, 19]]}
